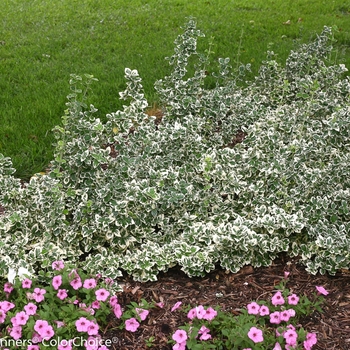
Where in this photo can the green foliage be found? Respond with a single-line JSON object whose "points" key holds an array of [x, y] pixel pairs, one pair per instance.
{"points": [[41, 43], [230, 174]]}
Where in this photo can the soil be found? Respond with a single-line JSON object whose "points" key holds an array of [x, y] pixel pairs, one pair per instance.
{"points": [[232, 291]]}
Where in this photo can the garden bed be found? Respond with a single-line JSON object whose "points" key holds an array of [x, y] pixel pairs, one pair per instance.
{"points": [[237, 290]]}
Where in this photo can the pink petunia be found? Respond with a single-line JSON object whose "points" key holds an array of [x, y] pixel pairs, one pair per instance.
{"points": [[275, 317], [284, 315], [117, 311], [76, 282], [180, 336], [131, 324], [291, 312], [40, 325], [26, 283], [8, 288], [2, 316], [142, 313], [256, 335], [33, 347], [176, 306], [209, 314], [82, 324], [16, 332], [204, 331], [293, 299], [65, 345], [6, 305], [253, 308], [30, 309], [95, 304], [264, 310], [58, 265], [92, 329], [101, 294], [113, 300], [62, 294], [56, 282], [277, 347], [160, 304], [321, 290], [291, 337], [48, 333], [89, 283], [38, 294], [21, 318], [180, 346], [277, 299]]}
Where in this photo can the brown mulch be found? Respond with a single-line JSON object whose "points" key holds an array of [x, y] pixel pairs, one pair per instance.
{"points": [[237, 290]]}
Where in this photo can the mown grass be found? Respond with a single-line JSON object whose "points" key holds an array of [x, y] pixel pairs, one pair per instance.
{"points": [[43, 41]]}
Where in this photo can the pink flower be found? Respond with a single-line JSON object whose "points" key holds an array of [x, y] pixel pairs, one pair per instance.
{"points": [[76, 282], [204, 331], [40, 326], [264, 310], [253, 308], [291, 312], [209, 314], [65, 345], [21, 318], [256, 335], [47, 333], [92, 329], [8, 288], [291, 337], [113, 300], [293, 299], [142, 313], [33, 347], [26, 283], [284, 315], [103, 347], [117, 311], [321, 290], [286, 274], [62, 294], [58, 265], [38, 294], [176, 306], [180, 346], [180, 336], [89, 283], [109, 281], [102, 294], [6, 305], [160, 304], [30, 309], [277, 299], [275, 317], [56, 282], [2, 316], [95, 304], [311, 339], [131, 324], [16, 332], [60, 324], [36, 338], [82, 324], [277, 347], [198, 312]]}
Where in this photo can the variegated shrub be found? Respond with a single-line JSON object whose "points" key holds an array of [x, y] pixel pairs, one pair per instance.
{"points": [[229, 175]]}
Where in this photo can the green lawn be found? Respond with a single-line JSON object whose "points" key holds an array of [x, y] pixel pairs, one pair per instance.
{"points": [[43, 41]]}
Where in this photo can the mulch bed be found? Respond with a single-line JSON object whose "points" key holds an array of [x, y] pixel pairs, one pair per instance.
{"points": [[237, 290]]}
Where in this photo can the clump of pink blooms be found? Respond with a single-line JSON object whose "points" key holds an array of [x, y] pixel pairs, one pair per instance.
{"points": [[42, 329]]}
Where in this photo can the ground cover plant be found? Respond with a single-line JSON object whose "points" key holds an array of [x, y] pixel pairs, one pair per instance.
{"points": [[231, 175], [42, 43]]}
